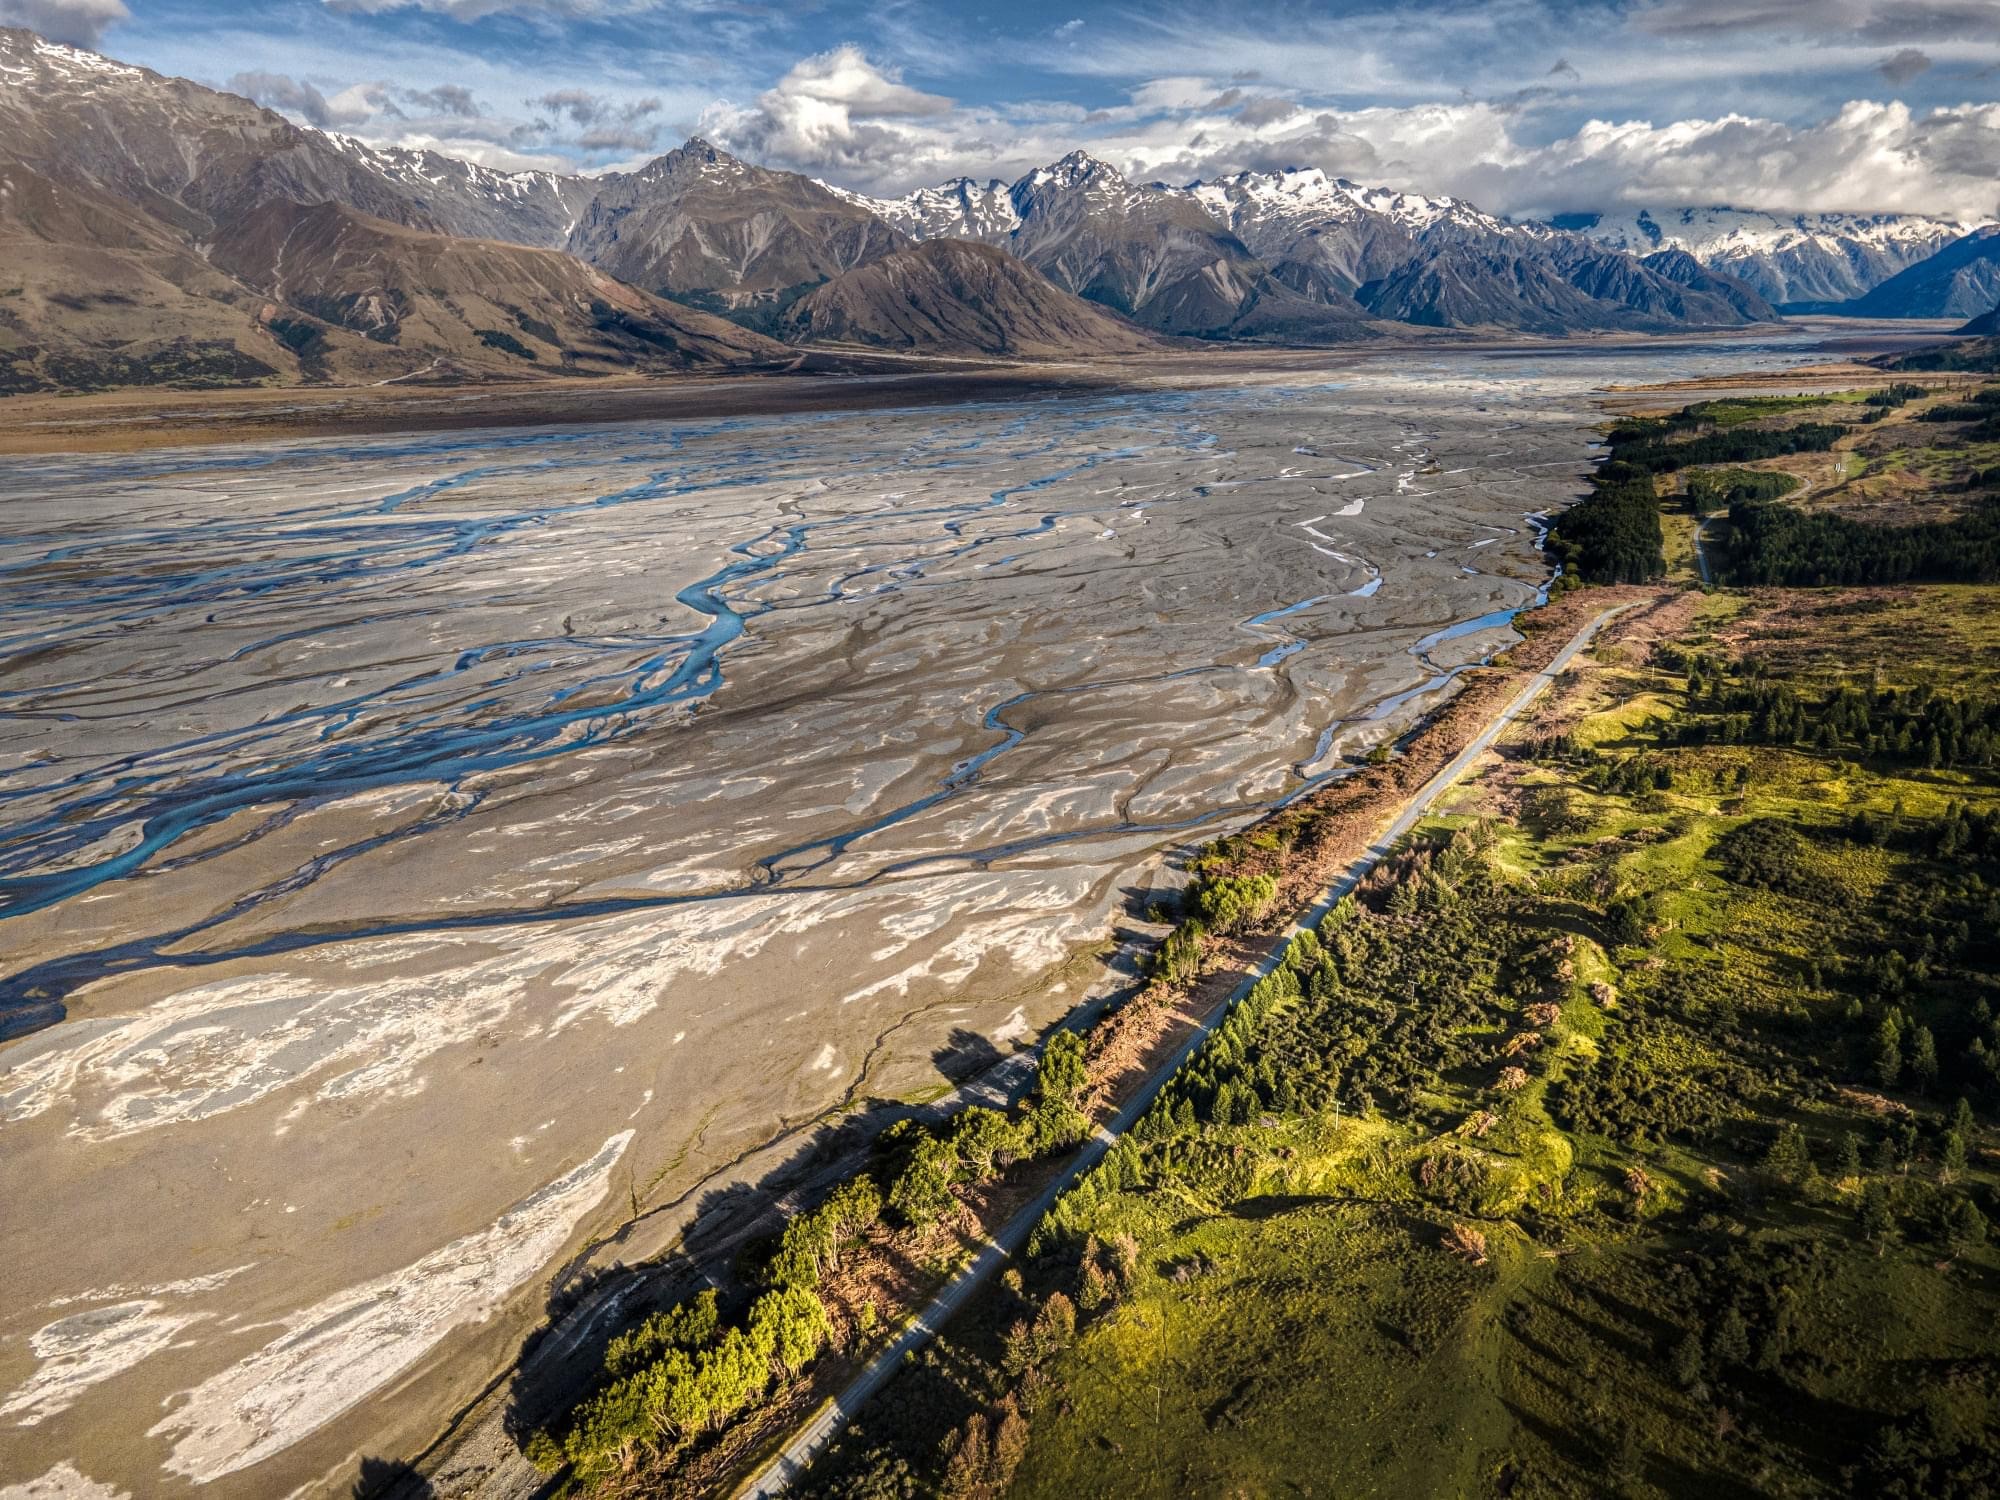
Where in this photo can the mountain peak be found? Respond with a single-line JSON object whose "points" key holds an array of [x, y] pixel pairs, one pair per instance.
{"points": [[1078, 169], [694, 157], [22, 45]]}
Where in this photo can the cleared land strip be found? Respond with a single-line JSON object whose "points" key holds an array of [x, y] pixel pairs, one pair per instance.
{"points": [[776, 1476]]}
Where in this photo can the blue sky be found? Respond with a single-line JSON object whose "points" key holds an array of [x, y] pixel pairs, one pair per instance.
{"points": [[1522, 105]]}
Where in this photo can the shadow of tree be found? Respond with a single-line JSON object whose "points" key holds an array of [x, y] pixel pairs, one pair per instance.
{"points": [[729, 1227], [965, 1055], [390, 1479]]}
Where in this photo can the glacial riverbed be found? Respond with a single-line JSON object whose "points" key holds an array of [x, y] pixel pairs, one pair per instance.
{"points": [[418, 856]]}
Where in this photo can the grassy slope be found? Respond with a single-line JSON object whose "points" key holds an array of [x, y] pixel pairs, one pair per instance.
{"points": [[1294, 1324], [1344, 1297]]}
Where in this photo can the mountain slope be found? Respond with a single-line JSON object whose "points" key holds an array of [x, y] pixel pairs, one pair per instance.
{"points": [[1801, 258], [1328, 231], [188, 156], [158, 231], [1960, 281], [476, 304], [96, 293], [1160, 260], [1683, 269], [1491, 288], [961, 209], [703, 227], [956, 296], [1298, 256], [464, 198]]}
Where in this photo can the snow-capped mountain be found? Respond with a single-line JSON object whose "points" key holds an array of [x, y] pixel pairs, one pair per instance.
{"points": [[1298, 254], [703, 226], [264, 243], [155, 231], [1258, 205], [1333, 229], [1962, 280], [1797, 258], [961, 209], [526, 208]]}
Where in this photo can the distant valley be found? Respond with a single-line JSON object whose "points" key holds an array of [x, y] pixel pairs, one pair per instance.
{"points": [[163, 233]]}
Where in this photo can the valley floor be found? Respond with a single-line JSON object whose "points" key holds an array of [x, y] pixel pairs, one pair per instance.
{"points": [[444, 873], [822, 380], [1630, 1133]]}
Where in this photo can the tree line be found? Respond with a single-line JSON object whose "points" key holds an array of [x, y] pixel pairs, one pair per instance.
{"points": [[1777, 544], [687, 1372]]}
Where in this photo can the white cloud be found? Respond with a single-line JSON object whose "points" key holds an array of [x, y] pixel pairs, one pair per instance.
{"points": [[78, 22], [837, 112], [502, 158], [360, 102], [1831, 20], [841, 116], [1868, 156]]}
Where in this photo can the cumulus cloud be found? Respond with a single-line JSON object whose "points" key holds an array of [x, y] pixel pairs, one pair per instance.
{"points": [[1868, 156], [360, 103], [496, 154], [81, 23], [580, 105], [835, 111], [1259, 112]]}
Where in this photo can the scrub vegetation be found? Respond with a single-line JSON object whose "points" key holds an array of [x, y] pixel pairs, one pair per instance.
{"points": [[1630, 1132]]}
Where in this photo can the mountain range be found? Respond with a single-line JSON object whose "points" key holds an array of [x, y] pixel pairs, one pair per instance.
{"points": [[1961, 280], [1793, 261], [1290, 254], [155, 230]]}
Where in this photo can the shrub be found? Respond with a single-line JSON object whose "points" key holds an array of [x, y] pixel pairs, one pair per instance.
{"points": [[1231, 903]]}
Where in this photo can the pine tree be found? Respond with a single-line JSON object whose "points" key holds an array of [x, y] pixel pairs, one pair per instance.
{"points": [[1062, 1072], [967, 1471], [1850, 1155], [1093, 1286], [1923, 1058], [1885, 1155], [1951, 1157], [1789, 1160], [1878, 1219], [1010, 1443], [1730, 1343], [921, 1192], [1965, 1225], [1687, 1362], [1888, 1053]]}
